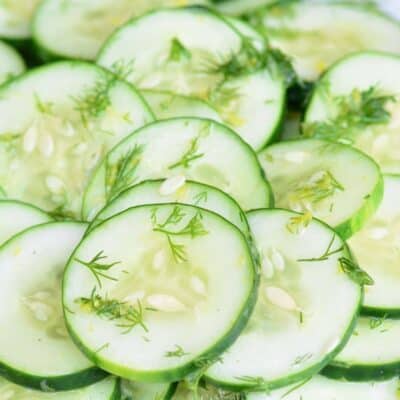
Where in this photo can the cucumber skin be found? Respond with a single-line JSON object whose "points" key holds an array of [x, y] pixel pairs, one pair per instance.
{"points": [[381, 312], [60, 383], [362, 373]]}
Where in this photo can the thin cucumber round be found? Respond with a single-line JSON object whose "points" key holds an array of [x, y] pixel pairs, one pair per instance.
{"points": [[357, 102], [371, 354], [163, 298], [196, 52], [321, 388], [299, 323], [334, 182], [16, 217], [76, 29], [15, 19], [146, 391], [176, 190], [107, 389], [73, 113], [198, 149], [376, 249], [315, 34], [169, 105], [12, 64], [39, 353]]}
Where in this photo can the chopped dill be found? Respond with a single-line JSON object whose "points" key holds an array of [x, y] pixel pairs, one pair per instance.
{"points": [[178, 51], [327, 253], [178, 352], [257, 383], [298, 223], [354, 272], [302, 359], [200, 197], [189, 156], [43, 107]]}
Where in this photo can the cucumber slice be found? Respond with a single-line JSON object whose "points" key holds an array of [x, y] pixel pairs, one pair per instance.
{"points": [[35, 349], [371, 354], [168, 302], [376, 249], [177, 190], [314, 175], [12, 64], [146, 391], [76, 29], [169, 105], [15, 18], [73, 112], [107, 389], [298, 307], [315, 34], [357, 102], [195, 52], [15, 217], [237, 8], [320, 388], [199, 149]]}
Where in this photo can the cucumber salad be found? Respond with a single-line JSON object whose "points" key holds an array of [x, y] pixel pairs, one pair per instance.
{"points": [[199, 200]]}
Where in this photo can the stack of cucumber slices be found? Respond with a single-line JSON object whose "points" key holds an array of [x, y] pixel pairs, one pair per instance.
{"points": [[199, 200]]}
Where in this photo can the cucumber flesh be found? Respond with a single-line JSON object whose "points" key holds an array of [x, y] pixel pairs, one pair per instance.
{"points": [[321, 388], [107, 389], [16, 217], [12, 64], [39, 354], [317, 34], [71, 29], [196, 52], [146, 391], [367, 79], [372, 352], [172, 278], [169, 105], [298, 309], [376, 249], [188, 147], [176, 191], [48, 151], [314, 175]]}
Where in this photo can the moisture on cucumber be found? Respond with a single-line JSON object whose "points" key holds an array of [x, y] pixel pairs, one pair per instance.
{"points": [[146, 391], [39, 353], [199, 149], [170, 105], [56, 123], [315, 34], [372, 352], [376, 249], [321, 388], [107, 389], [176, 190], [163, 298], [16, 217], [78, 29], [334, 182], [11, 65], [357, 102], [296, 328], [196, 52]]}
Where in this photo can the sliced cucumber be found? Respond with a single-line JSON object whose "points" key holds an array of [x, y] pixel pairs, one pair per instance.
{"points": [[357, 102], [56, 122], [376, 249], [168, 292], [239, 7], [371, 354], [169, 105], [76, 29], [176, 190], [15, 18], [107, 389], [199, 149], [320, 388], [315, 34], [16, 217], [300, 323], [195, 52], [12, 64], [336, 183], [146, 391], [39, 353]]}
